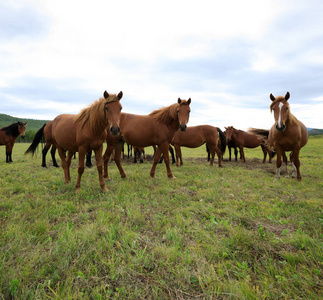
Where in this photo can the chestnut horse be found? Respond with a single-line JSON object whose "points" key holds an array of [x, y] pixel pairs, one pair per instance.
{"points": [[287, 134], [196, 136], [9, 135], [244, 139], [157, 128], [86, 131]]}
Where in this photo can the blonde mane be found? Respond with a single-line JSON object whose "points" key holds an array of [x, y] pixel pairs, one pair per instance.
{"points": [[94, 114], [165, 114]]}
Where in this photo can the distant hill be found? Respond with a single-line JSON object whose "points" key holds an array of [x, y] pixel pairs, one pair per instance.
{"points": [[314, 131], [33, 125]]}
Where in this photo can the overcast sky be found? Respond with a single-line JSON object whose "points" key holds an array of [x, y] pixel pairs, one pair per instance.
{"points": [[227, 56]]}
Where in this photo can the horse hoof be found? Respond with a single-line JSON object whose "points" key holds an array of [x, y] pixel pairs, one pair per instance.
{"points": [[77, 190], [104, 189]]}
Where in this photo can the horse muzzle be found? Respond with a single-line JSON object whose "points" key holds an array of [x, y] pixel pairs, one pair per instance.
{"points": [[182, 127], [114, 130], [280, 128], [23, 136]]}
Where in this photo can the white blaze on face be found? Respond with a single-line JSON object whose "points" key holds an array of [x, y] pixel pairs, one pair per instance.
{"points": [[280, 114]]}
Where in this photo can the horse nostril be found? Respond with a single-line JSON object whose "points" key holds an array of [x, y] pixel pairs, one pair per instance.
{"points": [[182, 128]]}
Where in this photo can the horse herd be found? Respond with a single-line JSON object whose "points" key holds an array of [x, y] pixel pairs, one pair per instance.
{"points": [[103, 121]]}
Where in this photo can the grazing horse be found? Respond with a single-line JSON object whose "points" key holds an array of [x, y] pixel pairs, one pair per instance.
{"points": [[9, 135], [244, 139], [196, 136], [87, 131], [287, 134], [157, 128]]}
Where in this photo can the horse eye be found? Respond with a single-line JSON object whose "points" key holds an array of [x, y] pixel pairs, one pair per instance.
{"points": [[106, 109]]}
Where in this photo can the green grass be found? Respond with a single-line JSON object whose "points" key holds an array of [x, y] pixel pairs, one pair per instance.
{"points": [[213, 233]]}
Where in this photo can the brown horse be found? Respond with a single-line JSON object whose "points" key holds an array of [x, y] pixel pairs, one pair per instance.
{"points": [[157, 128], [86, 131], [9, 135], [196, 136], [244, 139], [287, 134]]}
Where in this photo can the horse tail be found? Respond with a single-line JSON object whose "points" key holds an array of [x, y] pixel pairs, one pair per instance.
{"points": [[223, 140], [263, 134], [37, 139]]}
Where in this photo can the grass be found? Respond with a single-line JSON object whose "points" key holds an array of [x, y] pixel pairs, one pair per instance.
{"points": [[213, 233]]}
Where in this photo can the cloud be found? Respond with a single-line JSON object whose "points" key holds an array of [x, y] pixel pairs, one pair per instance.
{"points": [[227, 56]]}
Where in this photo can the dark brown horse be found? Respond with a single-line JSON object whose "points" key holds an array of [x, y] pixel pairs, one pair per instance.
{"points": [[244, 139], [85, 132], [9, 135], [196, 136], [287, 134], [157, 128]]}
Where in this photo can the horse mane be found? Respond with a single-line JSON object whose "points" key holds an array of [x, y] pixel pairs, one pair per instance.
{"points": [[12, 129], [94, 114], [166, 114], [291, 118]]}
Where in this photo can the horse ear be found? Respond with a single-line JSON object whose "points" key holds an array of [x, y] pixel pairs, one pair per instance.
{"points": [[189, 101], [25, 123], [287, 96], [120, 95], [272, 97], [105, 94], [179, 100]]}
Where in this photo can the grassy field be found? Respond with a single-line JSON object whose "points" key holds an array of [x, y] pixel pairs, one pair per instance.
{"points": [[213, 233]]}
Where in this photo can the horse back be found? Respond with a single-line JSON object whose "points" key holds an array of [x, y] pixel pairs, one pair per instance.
{"points": [[144, 130], [247, 140]]}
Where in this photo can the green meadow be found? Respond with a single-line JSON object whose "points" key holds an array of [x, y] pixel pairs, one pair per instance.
{"points": [[213, 233]]}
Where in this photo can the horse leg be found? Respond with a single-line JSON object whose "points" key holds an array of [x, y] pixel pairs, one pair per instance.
{"points": [[106, 159], [212, 153], [171, 151], [117, 159], [80, 170], [44, 153], [279, 161], [156, 159], [8, 153], [243, 159], [285, 162], [180, 155], [219, 154], [264, 151], [88, 159], [98, 158], [164, 149], [52, 152], [296, 164], [177, 153], [229, 147], [236, 154], [65, 167]]}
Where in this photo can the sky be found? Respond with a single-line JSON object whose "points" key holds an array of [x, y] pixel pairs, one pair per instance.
{"points": [[227, 56]]}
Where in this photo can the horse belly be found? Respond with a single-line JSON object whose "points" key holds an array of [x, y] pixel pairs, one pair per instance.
{"points": [[64, 132]]}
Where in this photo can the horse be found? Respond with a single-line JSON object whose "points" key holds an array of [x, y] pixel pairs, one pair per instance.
{"points": [[158, 128], [286, 134], [196, 136], [87, 131], [9, 135], [45, 133], [244, 139]]}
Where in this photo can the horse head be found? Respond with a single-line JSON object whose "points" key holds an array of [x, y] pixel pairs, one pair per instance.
{"points": [[280, 106], [22, 128], [228, 133], [113, 109], [183, 113]]}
